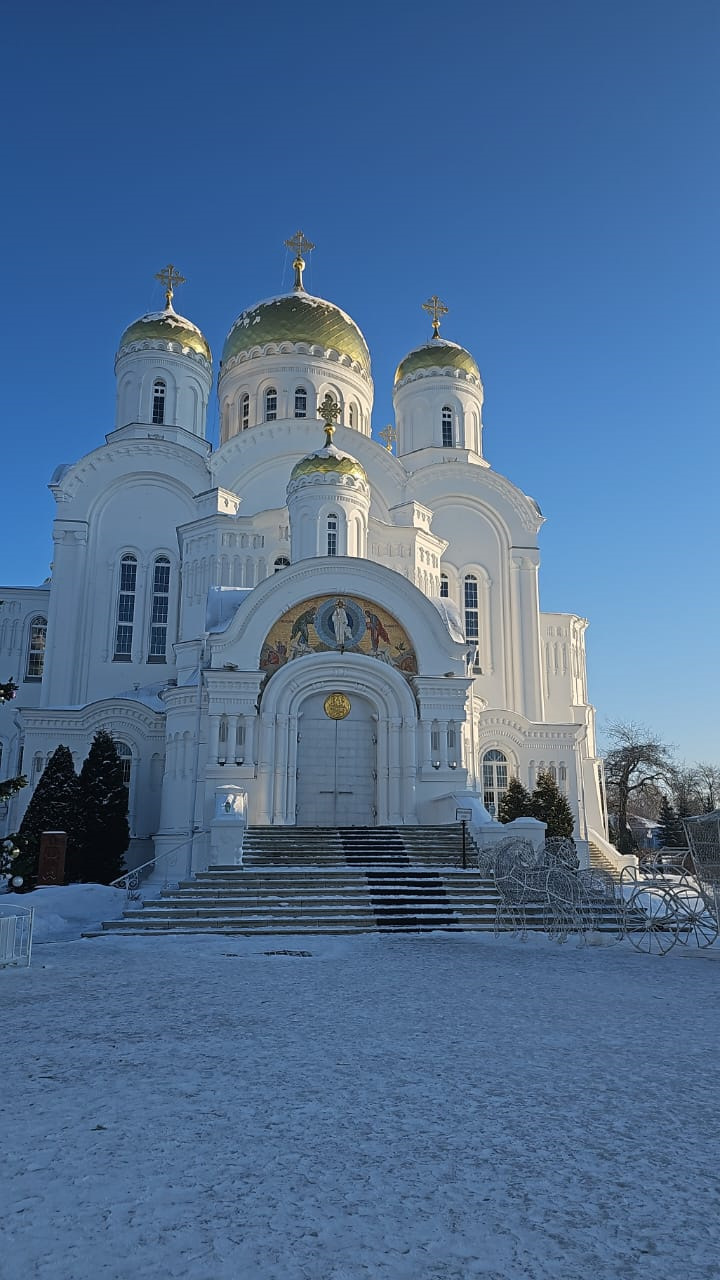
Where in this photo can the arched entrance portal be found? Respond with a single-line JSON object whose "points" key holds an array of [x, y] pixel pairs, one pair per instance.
{"points": [[336, 762]]}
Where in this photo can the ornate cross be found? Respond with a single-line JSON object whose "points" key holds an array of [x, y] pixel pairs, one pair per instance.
{"points": [[169, 277], [329, 410], [300, 246], [389, 435], [436, 309]]}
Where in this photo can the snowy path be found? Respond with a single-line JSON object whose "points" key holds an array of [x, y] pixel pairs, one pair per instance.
{"points": [[417, 1108]]}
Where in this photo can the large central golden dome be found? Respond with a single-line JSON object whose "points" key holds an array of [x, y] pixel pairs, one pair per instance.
{"points": [[298, 317]]}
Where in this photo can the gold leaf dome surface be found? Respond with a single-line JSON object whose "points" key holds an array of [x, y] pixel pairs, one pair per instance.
{"points": [[329, 461], [438, 353], [167, 326], [297, 317]]}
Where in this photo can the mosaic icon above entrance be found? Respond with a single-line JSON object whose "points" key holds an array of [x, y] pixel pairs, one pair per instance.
{"points": [[339, 624], [337, 706]]}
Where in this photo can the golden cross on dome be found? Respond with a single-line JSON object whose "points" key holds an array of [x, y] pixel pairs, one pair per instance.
{"points": [[389, 435], [329, 410], [169, 277], [436, 309], [300, 245]]}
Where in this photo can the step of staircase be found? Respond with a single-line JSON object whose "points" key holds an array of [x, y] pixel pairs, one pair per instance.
{"points": [[333, 881]]}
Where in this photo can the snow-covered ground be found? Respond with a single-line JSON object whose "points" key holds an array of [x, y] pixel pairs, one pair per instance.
{"points": [[387, 1108]]}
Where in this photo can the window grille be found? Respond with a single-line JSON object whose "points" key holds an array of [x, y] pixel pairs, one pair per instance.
{"points": [[444, 586], [332, 535], [36, 649], [282, 562], [271, 404], [447, 427], [495, 779], [158, 403], [159, 610], [300, 403], [472, 615], [245, 412], [125, 610], [125, 756]]}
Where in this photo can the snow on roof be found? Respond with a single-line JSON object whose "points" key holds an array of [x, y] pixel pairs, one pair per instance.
{"points": [[451, 616], [222, 604]]}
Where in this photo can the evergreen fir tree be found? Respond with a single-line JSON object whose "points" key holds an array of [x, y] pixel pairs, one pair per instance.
{"points": [[103, 807], [515, 803], [53, 807], [672, 833], [550, 806]]}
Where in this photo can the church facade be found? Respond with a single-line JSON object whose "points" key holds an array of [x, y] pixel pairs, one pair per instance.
{"points": [[300, 624]]}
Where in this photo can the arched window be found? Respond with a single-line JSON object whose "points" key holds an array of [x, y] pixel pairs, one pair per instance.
{"points": [[245, 412], [125, 755], [125, 610], [282, 562], [352, 416], [472, 616], [495, 779], [562, 777], [158, 401], [447, 427], [444, 586], [270, 404], [332, 535], [159, 610], [300, 402], [36, 649]]}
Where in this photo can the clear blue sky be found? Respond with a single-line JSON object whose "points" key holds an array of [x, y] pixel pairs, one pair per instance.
{"points": [[549, 169]]}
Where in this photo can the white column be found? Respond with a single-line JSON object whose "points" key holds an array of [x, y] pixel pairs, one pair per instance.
{"points": [[280, 774], [232, 723], [382, 791], [394, 770], [214, 743], [443, 754]]}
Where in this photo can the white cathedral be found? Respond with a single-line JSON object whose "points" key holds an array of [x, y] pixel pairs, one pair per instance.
{"points": [[300, 626]]}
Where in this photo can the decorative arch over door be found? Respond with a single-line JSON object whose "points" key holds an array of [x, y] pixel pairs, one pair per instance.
{"points": [[380, 739]]}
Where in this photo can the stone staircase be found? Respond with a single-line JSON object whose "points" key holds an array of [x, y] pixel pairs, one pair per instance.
{"points": [[601, 862], [305, 880]]}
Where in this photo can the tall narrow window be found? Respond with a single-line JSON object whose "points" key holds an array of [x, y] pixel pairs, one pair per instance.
{"points": [[332, 535], [125, 610], [125, 755], [36, 649], [300, 402], [270, 404], [158, 401], [495, 779], [447, 427], [245, 412], [444, 586], [472, 628], [352, 419], [282, 562], [159, 610]]}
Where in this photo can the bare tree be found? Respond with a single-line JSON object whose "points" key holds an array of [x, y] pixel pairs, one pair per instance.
{"points": [[708, 777], [636, 761]]}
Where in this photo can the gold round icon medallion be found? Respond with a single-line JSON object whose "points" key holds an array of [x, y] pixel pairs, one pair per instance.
{"points": [[336, 706]]}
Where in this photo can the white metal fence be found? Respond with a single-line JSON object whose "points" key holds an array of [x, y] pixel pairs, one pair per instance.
{"points": [[16, 928]]}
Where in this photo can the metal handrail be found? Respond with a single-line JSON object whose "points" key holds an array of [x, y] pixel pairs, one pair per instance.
{"points": [[131, 880]]}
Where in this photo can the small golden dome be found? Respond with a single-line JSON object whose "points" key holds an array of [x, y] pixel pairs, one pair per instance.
{"points": [[298, 317], [167, 326], [438, 353], [329, 461]]}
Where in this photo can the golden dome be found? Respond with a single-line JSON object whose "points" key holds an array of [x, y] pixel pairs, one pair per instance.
{"points": [[329, 461], [438, 353], [167, 326], [297, 317]]}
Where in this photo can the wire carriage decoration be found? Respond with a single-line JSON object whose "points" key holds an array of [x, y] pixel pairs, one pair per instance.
{"points": [[671, 900]]}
